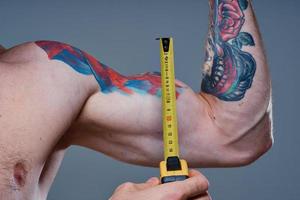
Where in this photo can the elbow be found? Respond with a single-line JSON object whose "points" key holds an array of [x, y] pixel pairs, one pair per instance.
{"points": [[251, 155], [255, 143]]}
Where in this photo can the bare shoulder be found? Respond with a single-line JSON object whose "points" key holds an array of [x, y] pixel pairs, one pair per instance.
{"points": [[33, 92], [20, 53], [39, 99]]}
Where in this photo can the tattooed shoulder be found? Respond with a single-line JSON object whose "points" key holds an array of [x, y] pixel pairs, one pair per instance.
{"points": [[108, 79]]}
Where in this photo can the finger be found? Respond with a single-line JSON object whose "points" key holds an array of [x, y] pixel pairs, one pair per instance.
{"points": [[151, 182], [128, 186], [202, 197], [193, 172], [196, 185], [191, 187]]}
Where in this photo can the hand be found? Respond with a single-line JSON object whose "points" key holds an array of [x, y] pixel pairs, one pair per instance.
{"points": [[194, 188]]}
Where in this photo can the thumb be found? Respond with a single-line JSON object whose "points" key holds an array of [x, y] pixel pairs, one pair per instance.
{"points": [[196, 185]]}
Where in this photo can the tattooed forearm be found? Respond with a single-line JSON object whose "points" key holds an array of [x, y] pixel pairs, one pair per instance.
{"points": [[108, 79], [228, 69]]}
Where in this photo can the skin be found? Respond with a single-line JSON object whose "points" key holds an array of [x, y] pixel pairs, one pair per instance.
{"points": [[46, 106], [194, 188], [2, 49]]}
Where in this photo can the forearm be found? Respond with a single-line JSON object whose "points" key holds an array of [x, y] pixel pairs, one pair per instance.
{"points": [[236, 75]]}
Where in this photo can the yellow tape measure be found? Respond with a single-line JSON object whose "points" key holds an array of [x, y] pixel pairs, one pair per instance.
{"points": [[172, 168]]}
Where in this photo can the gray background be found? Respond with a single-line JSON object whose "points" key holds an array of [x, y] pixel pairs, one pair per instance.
{"points": [[121, 34]]}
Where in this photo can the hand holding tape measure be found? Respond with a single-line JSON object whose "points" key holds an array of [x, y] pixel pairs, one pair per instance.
{"points": [[172, 168]]}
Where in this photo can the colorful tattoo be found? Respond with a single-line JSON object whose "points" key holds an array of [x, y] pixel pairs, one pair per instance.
{"points": [[228, 70], [108, 79]]}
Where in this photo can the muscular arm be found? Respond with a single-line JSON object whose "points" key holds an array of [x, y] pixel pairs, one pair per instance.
{"points": [[227, 124]]}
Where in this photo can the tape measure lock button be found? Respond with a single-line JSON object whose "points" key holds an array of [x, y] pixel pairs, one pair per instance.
{"points": [[166, 44], [173, 163]]}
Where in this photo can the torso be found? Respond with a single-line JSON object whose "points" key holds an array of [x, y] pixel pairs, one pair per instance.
{"points": [[32, 93]]}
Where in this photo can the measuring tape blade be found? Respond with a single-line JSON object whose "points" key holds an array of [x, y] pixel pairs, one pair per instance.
{"points": [[169, 116], [172, 168]]}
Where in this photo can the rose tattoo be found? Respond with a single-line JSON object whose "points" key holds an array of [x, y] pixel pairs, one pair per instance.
{"points": [[228, 70], [230, 19]]}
